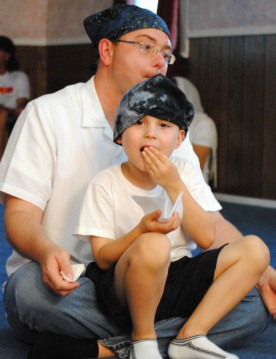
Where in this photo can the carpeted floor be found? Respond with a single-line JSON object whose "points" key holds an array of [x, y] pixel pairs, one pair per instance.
{"points": [[249, 219]]}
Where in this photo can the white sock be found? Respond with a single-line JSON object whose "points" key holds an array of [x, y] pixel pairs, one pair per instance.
{"points": [[145, 349], [197, 347]]}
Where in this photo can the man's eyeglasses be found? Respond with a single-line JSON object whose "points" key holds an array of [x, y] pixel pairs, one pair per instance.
{"points": [[152, 50]]}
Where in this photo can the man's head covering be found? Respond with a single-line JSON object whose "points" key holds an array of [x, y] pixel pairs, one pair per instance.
{"points": [[158, 97], [120, 19]]}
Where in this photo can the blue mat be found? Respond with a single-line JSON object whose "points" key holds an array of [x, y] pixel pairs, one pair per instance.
{"points": [[249, 219]]}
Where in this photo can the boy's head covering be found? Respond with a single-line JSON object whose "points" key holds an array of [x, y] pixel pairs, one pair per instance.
{"points": [[158, 97], [120, 19]]}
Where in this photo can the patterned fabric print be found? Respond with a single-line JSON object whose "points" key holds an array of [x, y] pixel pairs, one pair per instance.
{"points": [[158, 97], [119, 20]]}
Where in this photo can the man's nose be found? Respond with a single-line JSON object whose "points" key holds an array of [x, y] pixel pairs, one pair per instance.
{"points": [[159, 60]]}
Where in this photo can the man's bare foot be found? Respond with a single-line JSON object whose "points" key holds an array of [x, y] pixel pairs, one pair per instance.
{"points": [[105, 352]]}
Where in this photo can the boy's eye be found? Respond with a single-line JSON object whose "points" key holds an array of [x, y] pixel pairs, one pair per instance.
{"points": [[139, 122], [164, 125]]}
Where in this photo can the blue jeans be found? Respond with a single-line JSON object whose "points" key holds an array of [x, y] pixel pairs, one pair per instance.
{"points": [[32, 308]]}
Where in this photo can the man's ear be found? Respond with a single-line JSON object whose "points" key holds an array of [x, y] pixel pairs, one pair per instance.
{"points": [[105, 49], [180, 138], [119, 140]]}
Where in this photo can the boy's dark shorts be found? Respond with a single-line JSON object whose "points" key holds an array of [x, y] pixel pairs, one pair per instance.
{"points": [[187, 282]]}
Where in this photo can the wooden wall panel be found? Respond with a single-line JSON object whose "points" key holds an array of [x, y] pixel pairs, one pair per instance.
{"points": [[252, 119], [51, 68], [269, 120], [33, 61], [236, 79], [68, 65]]}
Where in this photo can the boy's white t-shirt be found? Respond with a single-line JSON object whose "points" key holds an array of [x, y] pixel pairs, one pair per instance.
{"points": [[109, 209]]}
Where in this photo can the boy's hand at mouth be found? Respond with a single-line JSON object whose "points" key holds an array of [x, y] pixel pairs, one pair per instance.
{"points": [[160, 168]]}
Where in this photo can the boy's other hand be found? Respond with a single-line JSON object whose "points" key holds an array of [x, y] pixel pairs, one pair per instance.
{"points": [[150, 223]]}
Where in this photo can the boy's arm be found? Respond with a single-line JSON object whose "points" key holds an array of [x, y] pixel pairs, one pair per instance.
{"points": [[107, 251]]}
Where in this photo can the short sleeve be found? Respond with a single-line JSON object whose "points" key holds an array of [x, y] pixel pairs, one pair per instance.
{"points": [[27, 167], [96, 215]]}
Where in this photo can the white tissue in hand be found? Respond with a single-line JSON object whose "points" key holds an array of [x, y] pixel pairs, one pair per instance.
{"points": [[170, 208], [77, 270], [151, 204]]}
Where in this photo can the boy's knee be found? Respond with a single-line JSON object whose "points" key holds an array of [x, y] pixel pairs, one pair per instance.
{"points": [[153, 249], [258, 250]]}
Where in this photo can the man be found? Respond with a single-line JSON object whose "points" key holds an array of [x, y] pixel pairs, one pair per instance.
{"points": [[59, 143]]}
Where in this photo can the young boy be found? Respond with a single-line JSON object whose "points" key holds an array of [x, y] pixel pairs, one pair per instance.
{"points": [[143, 265]]}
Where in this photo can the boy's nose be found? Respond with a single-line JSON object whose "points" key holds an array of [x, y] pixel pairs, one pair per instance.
{"points": [[150, 132]]}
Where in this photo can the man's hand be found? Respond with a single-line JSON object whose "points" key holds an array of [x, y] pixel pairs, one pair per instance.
{"points": [[267, 289], [150, 223], [160, 168], [27, 236], [52, 263]]}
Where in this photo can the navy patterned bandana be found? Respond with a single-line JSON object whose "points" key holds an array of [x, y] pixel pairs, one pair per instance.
{"points": [[158, 97], [120, 19]]}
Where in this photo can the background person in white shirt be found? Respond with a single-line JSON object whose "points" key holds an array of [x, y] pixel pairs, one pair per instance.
{"points": [[14, 89], [203, 133]]}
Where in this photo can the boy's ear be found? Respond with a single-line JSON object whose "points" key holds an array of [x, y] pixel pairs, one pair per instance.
{"points": [[105, 49], [180, 138]]}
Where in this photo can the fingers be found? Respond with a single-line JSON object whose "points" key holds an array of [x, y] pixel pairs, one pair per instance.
{"points": [[51, 268], [155, 215], [157, 164], [174, 221], [153, 159], [164, 227]]}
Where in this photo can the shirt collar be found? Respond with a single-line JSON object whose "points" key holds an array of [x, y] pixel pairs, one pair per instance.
{"points": [[92, 111]]}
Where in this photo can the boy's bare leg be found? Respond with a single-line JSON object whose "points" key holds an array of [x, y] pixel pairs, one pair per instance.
{"points": [[140, 277], [239, 267]]}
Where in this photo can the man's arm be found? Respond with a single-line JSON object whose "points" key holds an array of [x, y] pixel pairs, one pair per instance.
{"points": [[26, 235], [225, 232], [202, 152]]}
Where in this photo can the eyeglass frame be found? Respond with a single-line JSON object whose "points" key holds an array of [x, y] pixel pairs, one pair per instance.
{"points": [[153, 48]]}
